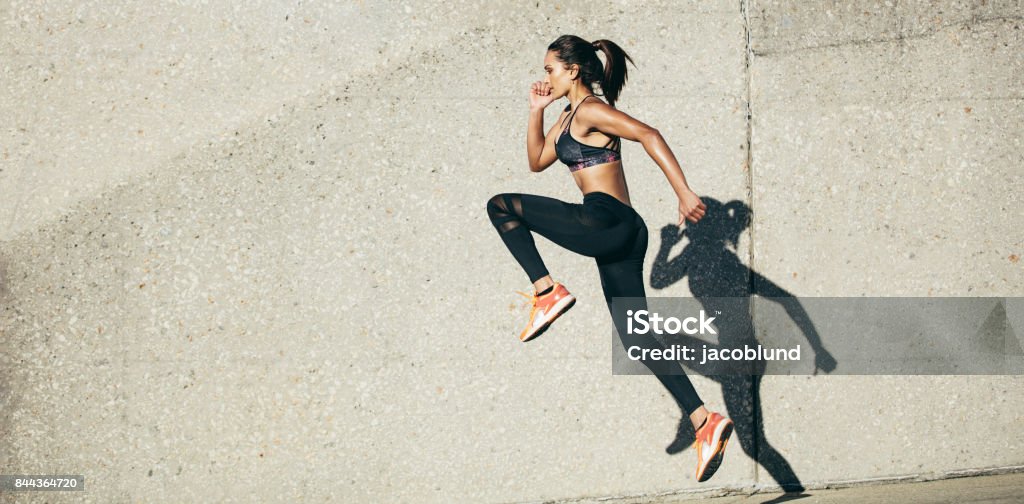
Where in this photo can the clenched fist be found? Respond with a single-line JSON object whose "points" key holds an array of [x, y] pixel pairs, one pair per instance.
{"points": [[540, 95], [691, 208]]}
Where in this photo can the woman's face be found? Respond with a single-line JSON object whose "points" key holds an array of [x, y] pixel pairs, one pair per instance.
{"points": [[557, 76]]}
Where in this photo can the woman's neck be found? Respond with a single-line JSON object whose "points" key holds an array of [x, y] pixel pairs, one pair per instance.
{"points": [[574, 101]]}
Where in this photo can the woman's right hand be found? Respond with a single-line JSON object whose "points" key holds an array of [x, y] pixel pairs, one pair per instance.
{"points": [[691, 208], [540, 95]]}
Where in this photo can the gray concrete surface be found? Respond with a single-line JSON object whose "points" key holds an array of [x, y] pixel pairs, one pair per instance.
{"points": [[990, 489], [244, 284], [96, 95]]}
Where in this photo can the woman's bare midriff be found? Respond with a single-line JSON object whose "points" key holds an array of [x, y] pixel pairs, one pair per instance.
{"points": [[606, 178]]}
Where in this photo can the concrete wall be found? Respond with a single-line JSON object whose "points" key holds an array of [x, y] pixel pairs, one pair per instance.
{"points": [[233, 243]]}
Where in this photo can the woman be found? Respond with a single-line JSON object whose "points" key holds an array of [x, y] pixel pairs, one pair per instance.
{"points": [[604, 226]]}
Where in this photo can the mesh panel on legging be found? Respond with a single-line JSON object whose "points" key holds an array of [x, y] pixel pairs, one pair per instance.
{"points": [[506, 213]]}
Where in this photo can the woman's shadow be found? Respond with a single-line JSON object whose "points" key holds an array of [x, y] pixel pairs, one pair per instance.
{"points": [[714, 272]]}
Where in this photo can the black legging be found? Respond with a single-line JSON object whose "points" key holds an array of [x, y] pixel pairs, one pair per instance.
{"points": [[603, 228]]}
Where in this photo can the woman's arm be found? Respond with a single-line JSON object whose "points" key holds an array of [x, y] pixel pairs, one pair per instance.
{"points": [[612, 121], [540, 148]]}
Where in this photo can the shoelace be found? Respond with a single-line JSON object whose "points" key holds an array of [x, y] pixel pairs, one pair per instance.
{"points": [[532, 297]]}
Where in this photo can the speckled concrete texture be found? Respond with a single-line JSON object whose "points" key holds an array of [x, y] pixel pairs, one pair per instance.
{"points": [[275, 276], [96, 93], [887, 162]]}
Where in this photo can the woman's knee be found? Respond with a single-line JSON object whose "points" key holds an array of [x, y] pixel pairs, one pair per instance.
{"points": [[504, 204], [496, 205], [503, 211]]}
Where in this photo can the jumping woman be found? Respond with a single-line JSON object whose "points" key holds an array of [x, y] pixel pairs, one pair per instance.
{"points": [[605, 226]]}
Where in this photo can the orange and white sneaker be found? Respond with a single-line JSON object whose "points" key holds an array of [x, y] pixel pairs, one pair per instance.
{"points": [[711, 440], [545, 310]]}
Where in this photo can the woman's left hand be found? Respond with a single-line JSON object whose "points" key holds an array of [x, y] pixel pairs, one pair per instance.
{"points": [[691, 208]]}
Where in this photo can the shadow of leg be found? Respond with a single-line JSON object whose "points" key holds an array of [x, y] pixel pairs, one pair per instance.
{"points": [[742, 398]]}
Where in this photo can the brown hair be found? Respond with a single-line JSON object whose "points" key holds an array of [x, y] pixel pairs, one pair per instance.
{"points": [[611, 77]]}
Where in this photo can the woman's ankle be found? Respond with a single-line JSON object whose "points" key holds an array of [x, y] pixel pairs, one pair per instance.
{"points": [[543, 284], [699, 417]]}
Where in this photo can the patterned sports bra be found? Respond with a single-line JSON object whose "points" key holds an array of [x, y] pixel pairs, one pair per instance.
{"points": [[578, 155]]}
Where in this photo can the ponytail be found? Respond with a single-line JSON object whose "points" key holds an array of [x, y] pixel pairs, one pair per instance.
{"points": [[615, 74]]}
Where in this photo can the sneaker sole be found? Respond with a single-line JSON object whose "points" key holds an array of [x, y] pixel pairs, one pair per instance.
{"points": [[716, 459], [560, 307]]}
